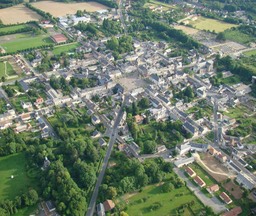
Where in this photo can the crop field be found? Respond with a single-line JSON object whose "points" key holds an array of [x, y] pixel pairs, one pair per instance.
{"points": [[186, 29], [23, 41], [141, 203], [13, 165], [203, 23], [65, 48], [18, 14], [12, 28], [58, 9]]}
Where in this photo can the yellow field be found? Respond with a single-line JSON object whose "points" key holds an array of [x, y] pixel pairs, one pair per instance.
{"points": [[203, 23], [58, 9], [187, 30], [17, 14]]}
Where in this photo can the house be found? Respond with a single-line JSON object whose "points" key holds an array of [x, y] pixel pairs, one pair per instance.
{"points": [[214, 188], [190, 172], [95, 120], [138, 119], [5, 124], [190, 128], [161, 148], [212, 151], [96, 134], [25, 117], [102, 142], [183, 149], [222, 158], [100, 210], [134, 149], [199, 147], [199, 181], [39, 101], [233, 212], [108, 205], [225, 198], [49, 208], [22, 127], [26, 105], [245, 181]]}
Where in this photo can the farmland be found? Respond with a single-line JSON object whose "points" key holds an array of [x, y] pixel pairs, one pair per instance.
{"points": [[17, 14], [140, 203], [13, 165], [23, 41], [203, 23], [58, 9]]}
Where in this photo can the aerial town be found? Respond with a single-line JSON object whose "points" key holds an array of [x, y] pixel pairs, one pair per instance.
{"points": [[128, 108]]}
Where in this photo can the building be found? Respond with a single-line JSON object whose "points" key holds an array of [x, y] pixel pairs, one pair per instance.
{"points": [[138, 119], [245, 181], [95, 119], [108, 205], [214, 188], [182, 162], [161, 148], [49, 208], [233, 212], [59, 38], [199, 181], [183, 149], [190, 172], [225, 198]]}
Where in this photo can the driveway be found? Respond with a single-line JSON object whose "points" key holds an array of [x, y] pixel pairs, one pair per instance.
{"points": [[216, 205]]}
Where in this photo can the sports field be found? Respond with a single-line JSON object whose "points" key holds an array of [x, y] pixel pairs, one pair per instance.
{"points": [[13, 165], [58, 9], [203, 23], [65, 48], [23, 41], [17, 14], [12, 28]]}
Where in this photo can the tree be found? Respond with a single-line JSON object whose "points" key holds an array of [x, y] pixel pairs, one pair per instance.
{"points": [[113, 43], [221, 37], [167, 187], [111, 192], [30, 198], [122, 213], [149, 147], [3, 79]]}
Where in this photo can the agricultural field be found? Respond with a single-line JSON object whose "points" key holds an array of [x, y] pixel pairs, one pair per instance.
{"points": [[13, 165], [12, 28], [238, 36], [186, 29], [18, 14], [58, 9], [203, 23], [57, 50], [16, 42], [141, 203]]}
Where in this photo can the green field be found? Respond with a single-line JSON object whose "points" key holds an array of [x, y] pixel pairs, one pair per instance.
{"points": [[9, 71], [13, 165], [203, 23], [238, 36], [250, 53], [12, 28], [141, 203], [65, 48], [25, 41]]}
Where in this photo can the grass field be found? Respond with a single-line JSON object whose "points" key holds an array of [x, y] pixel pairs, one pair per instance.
{"points": [[169, 202], [186, 29], [250, 53], [203, 23], [18, 14], [12, 28], [58, 9], [237, 36], [9, 71], [65, 48], [24, 41], [13, 165]]}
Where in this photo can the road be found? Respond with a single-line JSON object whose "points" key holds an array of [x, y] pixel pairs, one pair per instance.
{"points": [[213, 202], [91, 207]]}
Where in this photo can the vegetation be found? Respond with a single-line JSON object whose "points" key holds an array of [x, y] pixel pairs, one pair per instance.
{"points": [[13, 29], [57, 50], [9, 3]]}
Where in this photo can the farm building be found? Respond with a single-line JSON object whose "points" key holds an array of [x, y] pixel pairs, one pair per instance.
{"points": [[59, 38]]}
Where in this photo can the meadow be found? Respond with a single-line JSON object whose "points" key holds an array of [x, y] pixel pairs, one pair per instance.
{"points": [[57, 50], [13, 165], [141, 203], [203, 23], [12, 28], [238, 36], [25, 41]]}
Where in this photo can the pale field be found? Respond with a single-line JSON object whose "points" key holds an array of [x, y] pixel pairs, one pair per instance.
{"points": [[17, 14], [58, 9], [186, 29]]}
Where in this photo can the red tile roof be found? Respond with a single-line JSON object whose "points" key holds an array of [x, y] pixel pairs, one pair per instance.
{"points": [[233, 212], [59, 38], [108, 205], [214, 188], [190, 171], [199, 181], [225, 198]]}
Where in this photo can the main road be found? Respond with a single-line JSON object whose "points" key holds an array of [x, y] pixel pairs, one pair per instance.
{"points": [[111, 143]]}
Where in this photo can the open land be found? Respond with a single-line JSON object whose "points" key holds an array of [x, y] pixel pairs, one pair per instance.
{"points": [[6, 69], [203, 23], [12, 28], [234, 189], [238, 36], [13, 165], [17, 14], [169, 202], [58, 9], [186, 29], [13, 43], [65, 48], [250, 53]]}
